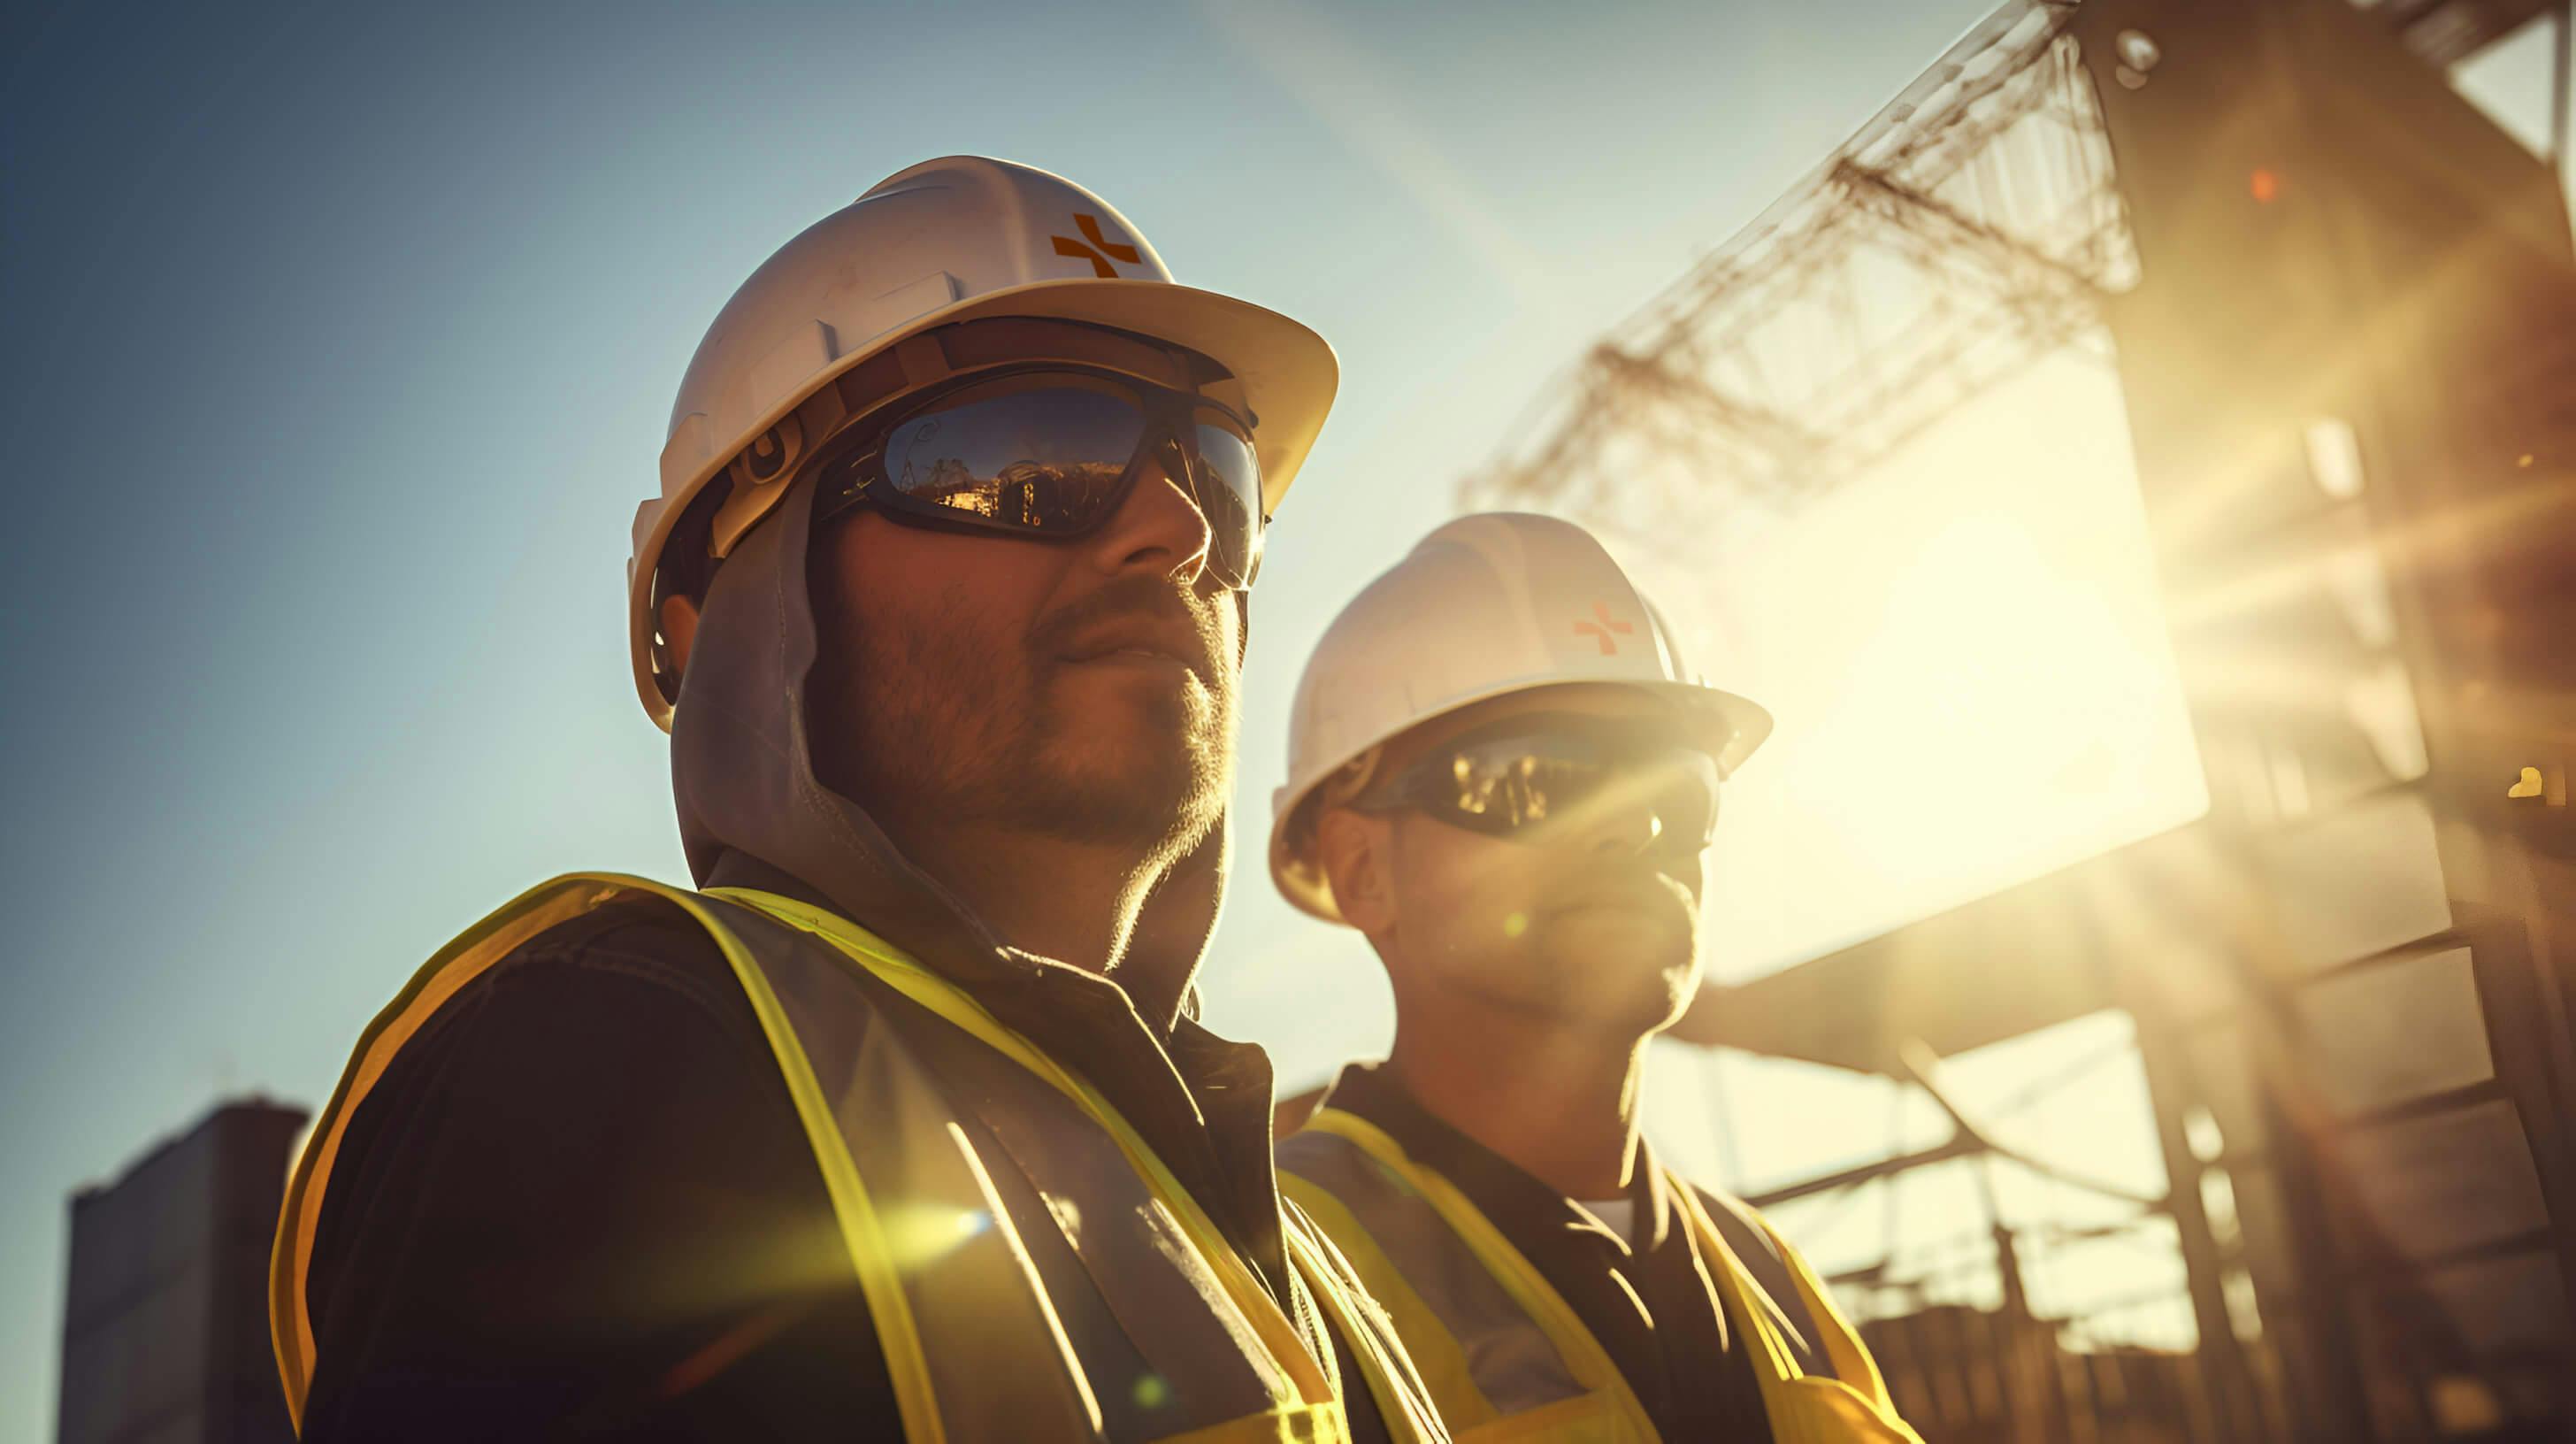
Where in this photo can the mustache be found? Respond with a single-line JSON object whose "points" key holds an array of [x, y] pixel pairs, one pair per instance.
{"points": [[1632, 886], [1152, 601]]}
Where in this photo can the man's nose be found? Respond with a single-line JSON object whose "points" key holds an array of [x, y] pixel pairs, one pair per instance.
{"points": [[1158, 527]]}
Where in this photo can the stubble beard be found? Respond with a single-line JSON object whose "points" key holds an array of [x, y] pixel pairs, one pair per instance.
{"points": [[981, 734], [1158, 793]]}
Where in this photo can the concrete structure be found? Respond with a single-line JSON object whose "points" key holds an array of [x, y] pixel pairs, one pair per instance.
{"points": [[165, 1328]]}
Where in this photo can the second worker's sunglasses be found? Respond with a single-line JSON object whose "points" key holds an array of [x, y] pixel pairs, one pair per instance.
{"points": [[1049, 450], [1535, 775]]}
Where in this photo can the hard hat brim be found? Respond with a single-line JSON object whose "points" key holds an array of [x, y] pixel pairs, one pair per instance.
{"points": [[1728, 725], [1288, 373]]}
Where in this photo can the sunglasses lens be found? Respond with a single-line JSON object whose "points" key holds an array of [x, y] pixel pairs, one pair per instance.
{"points": [[1229, 494], [1514, 784], [1509, 784], [1041, 454], [1686, 802]]}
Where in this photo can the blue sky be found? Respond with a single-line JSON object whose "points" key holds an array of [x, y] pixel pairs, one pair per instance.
{"points": [[342, 340]]}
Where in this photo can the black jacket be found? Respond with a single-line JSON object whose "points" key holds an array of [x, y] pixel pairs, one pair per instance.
{"points": [[1651, 1305], [580, 1206]]}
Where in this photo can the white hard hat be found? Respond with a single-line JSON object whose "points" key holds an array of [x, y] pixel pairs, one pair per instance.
{"points": [[948, 240], [1486, 605]]}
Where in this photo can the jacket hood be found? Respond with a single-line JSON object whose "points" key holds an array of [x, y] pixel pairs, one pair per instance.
{"points": [[742, 773]]}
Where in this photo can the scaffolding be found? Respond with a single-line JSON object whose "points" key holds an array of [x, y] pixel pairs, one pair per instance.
{"points": [[1969, 230], [2341, 310]]}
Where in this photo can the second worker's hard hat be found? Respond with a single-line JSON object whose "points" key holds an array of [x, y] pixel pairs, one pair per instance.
{"points": [[949, 240], [1486, 605]]}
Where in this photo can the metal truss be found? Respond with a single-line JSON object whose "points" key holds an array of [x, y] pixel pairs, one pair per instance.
{"points": [[1968, 230]]}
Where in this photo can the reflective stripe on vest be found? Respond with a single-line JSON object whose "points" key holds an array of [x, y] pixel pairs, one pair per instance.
{"points": [[1502, 1353], [928, 1120]]}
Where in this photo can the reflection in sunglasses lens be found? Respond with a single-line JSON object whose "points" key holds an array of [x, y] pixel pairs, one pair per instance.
{"points": [[1229, 495], [1504, 787], [1037, 459]]}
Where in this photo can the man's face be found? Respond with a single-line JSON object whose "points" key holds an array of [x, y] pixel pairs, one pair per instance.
{"points": [[1083, 690], [1591, 922]]}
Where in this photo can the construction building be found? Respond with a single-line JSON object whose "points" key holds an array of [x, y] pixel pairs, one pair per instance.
{"points": [[165, 1327], [2340, 308]]}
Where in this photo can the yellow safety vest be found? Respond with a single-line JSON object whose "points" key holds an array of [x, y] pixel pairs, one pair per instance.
{"points": [[1502, 1353], [1193, 1346]]}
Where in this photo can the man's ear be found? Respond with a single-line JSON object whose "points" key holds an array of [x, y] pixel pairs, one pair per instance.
{"points": [[679, 628], [1354, 850]]}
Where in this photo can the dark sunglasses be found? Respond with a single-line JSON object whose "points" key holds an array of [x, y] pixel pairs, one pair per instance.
{"points": [[1528, 775], [1050, 451]]}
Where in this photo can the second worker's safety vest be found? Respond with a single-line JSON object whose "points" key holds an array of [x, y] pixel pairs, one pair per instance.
{"points": [[1504, 1356], [912, 1097]]}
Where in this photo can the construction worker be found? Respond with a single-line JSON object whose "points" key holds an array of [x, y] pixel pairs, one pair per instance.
{"points": [[901, 1126], [1503, 773]]}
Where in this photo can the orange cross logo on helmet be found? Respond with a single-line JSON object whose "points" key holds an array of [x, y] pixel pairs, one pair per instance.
{"points": [[1602, 626], [1100, 252]]}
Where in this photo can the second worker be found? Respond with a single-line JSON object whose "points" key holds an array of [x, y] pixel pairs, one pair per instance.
{"points": [[1503, 772]]}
